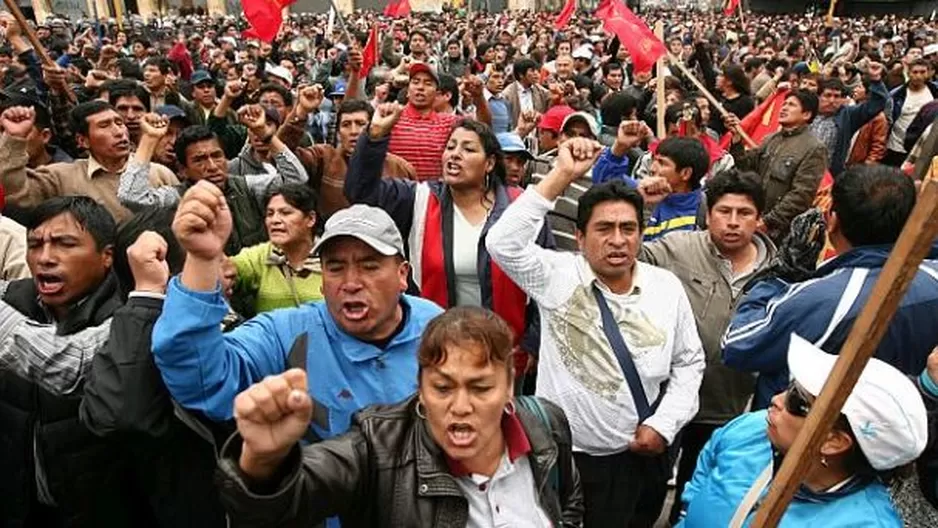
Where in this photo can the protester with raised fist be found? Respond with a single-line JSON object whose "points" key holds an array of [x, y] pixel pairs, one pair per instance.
{"points": [[447, 220], [462, 434]]}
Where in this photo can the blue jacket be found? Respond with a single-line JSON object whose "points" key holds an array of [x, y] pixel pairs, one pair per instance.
{"points": [[822, 310], [205, 369], [677, 212], [733, 459], [611, 167], [850, 119]]}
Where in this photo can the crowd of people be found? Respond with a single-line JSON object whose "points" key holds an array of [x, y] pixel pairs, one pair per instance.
{"points": [[458, 275]]}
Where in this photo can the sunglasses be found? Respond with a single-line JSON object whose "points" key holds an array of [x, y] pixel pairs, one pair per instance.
{"points": [[797, 400]]}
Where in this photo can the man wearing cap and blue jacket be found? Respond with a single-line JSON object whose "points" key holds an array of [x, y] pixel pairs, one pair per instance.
{"points": [[359, 345]]}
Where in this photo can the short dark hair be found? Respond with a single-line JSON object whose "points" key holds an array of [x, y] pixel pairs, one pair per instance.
{"points": [[753, 63], [351, 106], [449, 84], [274, 87], [675, 111], [521, 67], [467, 325], [611, 191], [919, 62], [737, 77], [617, 107], [686, 152], [78, 117], [189, 136], [164, 64], [298, 195], [807, 100], [872, 203], [90, 215], [125, 88], [733, 181], [610, 67], [832, 83], [420, 32]]}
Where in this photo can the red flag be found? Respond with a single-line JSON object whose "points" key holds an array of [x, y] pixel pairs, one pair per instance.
{"points": [[565, 15], [402, 9], [391, 8], [370, 54], [265, 16], [730, 6], [762, 121], [250, 34], [644, 47]]}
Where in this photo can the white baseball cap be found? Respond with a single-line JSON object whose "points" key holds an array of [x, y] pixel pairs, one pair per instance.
{"points": [[371, 225], [280, 72], [885, 410], [585, 51]]}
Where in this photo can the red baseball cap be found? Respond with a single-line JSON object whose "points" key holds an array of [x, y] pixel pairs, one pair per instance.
{"points": [[554, 117]]}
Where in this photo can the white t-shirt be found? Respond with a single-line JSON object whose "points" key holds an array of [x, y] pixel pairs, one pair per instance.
{"points": [[914, 101], [466, 260]]}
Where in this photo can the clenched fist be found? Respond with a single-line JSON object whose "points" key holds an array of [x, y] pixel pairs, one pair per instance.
{"points": [[576, 156], [253, 117], [272, 416], [386, 116], [147, 259], [203, 221], [18, 121], [308, 99], [154, 125]]}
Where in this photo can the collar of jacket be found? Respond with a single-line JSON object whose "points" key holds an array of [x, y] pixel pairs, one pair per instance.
{"points": [[433, 473], [865, 257], [92, 310], [791, 132]]}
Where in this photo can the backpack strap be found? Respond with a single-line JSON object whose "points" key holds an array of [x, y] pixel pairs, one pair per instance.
{"points": [[533, 405]]}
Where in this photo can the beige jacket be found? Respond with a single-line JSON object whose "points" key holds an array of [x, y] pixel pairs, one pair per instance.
{"points": [[12, 250], [27, 187], [705, 275]]}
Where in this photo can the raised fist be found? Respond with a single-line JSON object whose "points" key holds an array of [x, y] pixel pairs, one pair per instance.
{"points": [[253, 117], [203, 222], [576, 156], [234, 89], [386, 116], [55, 78], [272, 417], [18, 121], [147, 259], [309, 98], [154, 125]]}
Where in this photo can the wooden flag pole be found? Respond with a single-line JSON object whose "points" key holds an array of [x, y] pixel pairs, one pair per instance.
{"points": [[830, 13], [713, 100], [659, 90], [29, 33], [913, 245]]}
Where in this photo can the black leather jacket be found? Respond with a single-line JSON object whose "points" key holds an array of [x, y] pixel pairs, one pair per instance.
{"points": [[388, 471]]}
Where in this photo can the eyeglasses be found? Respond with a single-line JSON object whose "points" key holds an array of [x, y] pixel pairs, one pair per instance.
{"points": [[797, 400]]}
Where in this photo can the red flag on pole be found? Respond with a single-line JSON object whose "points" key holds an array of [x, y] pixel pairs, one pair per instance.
{"points": [[565, 15], [730, 6], [402, 9], [265, 16], [762, 121], [644, 47], [250, 34], [370, 53], [391, 8]]}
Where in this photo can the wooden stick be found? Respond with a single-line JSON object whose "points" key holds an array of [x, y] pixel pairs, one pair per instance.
{"points": [[742, 17], [659, 90], [901, 267], [338, 15], [713, 100], [830, 13], [29, 33]]}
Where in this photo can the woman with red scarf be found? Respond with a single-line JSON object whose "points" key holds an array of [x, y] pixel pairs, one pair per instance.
{"points": [[446, 221]]}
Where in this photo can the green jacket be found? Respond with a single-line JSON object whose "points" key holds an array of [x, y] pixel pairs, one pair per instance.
{"points": [[692, 256]]}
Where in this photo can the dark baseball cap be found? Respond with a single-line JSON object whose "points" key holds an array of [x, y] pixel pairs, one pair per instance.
{"points": [[200, 76]]}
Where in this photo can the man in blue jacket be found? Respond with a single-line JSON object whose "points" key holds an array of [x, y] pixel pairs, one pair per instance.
{"points": [[359, 346], [870, 208]]}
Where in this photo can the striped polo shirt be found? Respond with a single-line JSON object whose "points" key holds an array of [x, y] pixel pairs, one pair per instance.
{"points": [[421, 139]]}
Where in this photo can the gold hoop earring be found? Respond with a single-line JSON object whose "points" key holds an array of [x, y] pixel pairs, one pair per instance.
{"points": [[510, 407], [422, 415]]}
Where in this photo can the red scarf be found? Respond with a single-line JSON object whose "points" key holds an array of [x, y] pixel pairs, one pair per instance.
{"points": [[508, 300]]}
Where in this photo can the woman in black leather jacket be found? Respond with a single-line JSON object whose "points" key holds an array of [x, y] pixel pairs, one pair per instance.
{"points": [[459, 452]]}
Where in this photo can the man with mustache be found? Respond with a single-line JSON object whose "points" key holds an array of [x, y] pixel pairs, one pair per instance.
{"points": [[359, 345], [599, 310], [99, 129], [200, 154]]}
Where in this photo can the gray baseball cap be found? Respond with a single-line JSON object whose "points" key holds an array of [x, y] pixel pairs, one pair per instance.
{"points": [[371, 225]]}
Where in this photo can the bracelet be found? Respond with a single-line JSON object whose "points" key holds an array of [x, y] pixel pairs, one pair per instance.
{"points": [[928, 384]]}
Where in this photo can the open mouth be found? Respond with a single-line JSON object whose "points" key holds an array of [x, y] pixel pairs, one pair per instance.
{"points": [[355, 310], [48, 284], [122, 144], [461, 434], [618, 258], [452, 169]]}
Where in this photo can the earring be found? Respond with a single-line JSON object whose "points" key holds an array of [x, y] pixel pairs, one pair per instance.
{"points": [[422, 414], [510, 407], [824, 461], [488, 179]]}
